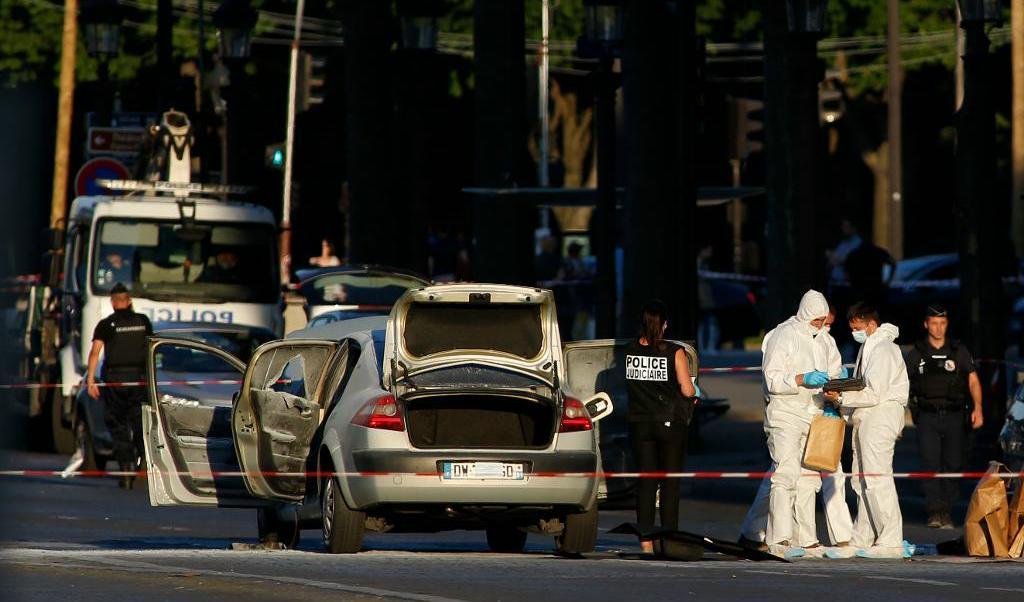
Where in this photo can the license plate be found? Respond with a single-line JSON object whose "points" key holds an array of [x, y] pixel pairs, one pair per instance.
{"points": [[455, 471]]}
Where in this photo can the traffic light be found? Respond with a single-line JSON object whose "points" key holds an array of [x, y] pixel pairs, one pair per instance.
{"points": [[274, 155], [830, 99], [746, 127], [311, 80]]}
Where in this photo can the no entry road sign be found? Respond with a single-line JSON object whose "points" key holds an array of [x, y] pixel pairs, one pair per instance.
{"points": [[103, 168]]}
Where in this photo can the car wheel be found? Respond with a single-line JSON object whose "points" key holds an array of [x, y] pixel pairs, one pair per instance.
{"points": [[275, 530], [579, 534], [507, 539], [342, 527], [63, 436], [83, 439]]}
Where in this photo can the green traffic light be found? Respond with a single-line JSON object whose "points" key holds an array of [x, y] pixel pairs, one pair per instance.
{"points": [[278, 158]]}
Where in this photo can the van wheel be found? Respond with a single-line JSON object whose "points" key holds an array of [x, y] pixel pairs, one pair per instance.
{"points": [[63, 436], [506, 539], [84, 442], [275, 530], [579, 534], [342, 527]]}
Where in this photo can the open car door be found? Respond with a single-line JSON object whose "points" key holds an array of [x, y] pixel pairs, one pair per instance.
{"points": [[190, 458], [283, 402]]}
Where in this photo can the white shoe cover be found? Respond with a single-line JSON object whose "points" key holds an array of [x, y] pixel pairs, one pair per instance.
{"points": [[838, 552], [884, 552]]}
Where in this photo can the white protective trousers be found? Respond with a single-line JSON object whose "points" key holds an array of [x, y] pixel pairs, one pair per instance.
{"points": [[833, 500], [791, 500], [879, 521]]}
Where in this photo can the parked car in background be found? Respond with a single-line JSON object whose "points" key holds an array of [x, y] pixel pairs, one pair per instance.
{"points": [[354, 291], [90, 427], [1011, 438], [454, 412]]}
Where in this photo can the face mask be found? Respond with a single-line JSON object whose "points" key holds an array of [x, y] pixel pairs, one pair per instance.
{"points": [[860, 336], [826, 329], [811, 330]]}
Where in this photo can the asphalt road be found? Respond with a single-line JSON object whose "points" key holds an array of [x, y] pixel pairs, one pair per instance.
{"points": [[85, 539]]}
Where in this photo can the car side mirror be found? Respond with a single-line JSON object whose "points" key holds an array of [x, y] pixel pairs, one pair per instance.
{"points": [[599, 406]]}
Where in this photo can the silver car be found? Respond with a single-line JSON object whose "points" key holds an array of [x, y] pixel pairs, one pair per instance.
{"points": [[454, 412]]}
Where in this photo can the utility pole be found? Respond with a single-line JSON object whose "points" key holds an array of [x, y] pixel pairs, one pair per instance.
{"points": [[65, 109], [543, 85], [895, 127], [1017, 144], [289, 145]]}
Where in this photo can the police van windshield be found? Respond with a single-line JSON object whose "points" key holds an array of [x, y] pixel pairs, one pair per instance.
{"points": [[204, 261]]}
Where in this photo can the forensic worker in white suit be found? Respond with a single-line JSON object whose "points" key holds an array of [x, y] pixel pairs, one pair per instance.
{"points": [[791, 380], [833, 486], [877, 414]]}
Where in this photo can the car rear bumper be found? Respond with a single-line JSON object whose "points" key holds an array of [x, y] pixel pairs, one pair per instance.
{"points": [[409, 477]]}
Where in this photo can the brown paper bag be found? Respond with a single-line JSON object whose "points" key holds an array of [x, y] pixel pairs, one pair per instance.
{"points": [[824, 443], [986, 525], [1015, 530]]}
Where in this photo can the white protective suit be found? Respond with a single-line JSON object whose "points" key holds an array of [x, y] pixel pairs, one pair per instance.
{"points": [[833, 487], [877, 415], [791, 352]]}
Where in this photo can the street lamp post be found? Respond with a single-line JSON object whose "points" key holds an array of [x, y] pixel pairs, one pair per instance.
{"points": [[234, 20], [101, 22], [792, 74], [981, 230], [419, 94], [602, 40]]}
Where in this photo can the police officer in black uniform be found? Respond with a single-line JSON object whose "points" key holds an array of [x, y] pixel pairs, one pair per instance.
{"points": [[945, 399], [121, 337], [661, 400]]}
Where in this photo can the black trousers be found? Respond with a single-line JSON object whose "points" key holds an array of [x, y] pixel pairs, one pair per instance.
{"points": [[658, 448], [123, 415], [942, 440]]}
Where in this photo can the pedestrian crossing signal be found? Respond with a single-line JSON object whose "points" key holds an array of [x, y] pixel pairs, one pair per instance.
{"points": [[275, 156]]}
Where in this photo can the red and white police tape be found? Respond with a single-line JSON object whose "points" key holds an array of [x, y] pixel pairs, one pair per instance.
{"points": [[584, 475]]}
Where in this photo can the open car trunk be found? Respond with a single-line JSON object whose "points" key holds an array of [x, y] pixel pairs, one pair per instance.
{"points": [[479, 420]]}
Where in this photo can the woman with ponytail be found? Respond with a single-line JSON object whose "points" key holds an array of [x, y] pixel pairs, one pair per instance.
{"points": [[661, 400]]}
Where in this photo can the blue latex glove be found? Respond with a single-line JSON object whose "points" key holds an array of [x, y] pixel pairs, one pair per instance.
{"points": [[696, 391], [815, 378], [831, 411], [843, 372]]}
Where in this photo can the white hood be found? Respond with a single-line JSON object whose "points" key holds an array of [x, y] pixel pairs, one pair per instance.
{"points": [[812, 306], [886, 332]]}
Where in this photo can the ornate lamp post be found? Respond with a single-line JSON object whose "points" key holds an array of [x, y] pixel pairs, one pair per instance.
{"points": [[602, 40], [982, 256], [101, 21]]}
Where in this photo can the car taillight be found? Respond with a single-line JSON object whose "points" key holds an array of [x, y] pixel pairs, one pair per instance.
{"points": [[380, 413], [574, 417]]}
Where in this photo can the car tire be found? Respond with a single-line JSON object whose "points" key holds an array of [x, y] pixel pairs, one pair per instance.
{"points": [[579, 534], [343, 527], [275, 530], [506, 539], [63, 436]]}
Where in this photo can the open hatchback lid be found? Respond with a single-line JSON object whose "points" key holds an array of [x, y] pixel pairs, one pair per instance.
{"points": [[501, 326]]}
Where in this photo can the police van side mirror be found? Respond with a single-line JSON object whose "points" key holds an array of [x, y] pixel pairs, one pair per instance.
{"points": [[599, 406]]}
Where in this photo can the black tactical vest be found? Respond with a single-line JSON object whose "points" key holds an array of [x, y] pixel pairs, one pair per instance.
{"points": [[940, 383], [654, 393]]}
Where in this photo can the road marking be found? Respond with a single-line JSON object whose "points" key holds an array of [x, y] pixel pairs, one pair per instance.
{"points": [[788, 572], [1004, 589], [44, 558], [921, 581]]}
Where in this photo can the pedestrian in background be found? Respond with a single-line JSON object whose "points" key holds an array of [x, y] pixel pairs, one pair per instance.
{"points": [[121, 338], [661, 400], [945, 401]]}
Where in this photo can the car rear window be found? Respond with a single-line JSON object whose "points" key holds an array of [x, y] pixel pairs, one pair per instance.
{"points": [[514, 329]]}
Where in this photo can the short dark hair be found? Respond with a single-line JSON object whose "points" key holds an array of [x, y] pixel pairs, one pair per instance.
{"points": [[936, 310], [118, 289], [863, 311]]}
